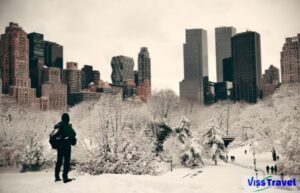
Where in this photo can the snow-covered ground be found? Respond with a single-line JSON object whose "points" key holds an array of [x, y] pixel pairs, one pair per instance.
{"points": [[226, 178], [262, 159]]}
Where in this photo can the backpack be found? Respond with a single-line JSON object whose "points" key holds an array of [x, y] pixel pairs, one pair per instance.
{"points": [[54, 140]]}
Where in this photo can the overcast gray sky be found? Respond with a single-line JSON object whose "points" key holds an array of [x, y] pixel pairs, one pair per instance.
{"points": [[92, 31]]}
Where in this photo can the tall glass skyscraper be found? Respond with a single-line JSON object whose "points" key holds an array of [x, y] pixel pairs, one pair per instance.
{"points": [[195, 65], [223, 47], [246, 61]]}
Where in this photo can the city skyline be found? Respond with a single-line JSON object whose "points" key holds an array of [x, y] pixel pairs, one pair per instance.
{"points": [[94, 33]]}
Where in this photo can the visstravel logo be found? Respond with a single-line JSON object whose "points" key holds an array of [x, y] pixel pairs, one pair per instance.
{"points": [[269, 182]]}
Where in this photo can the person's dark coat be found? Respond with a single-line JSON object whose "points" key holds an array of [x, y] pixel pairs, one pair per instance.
{"points": [[66, 135], [268, 169]]}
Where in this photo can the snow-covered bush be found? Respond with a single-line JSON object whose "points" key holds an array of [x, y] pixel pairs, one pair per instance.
{"points": [[22, 135], [33, 159], [213, 141], [181, 147], [121, 143]]}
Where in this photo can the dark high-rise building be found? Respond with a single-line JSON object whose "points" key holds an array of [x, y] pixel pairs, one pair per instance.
{"points": [[223, 90], [14, 59], [144, 74], [144, 66], [290, 60], [195, 65], [36, 60], [0, 83], [96, 77], [227, 69], [136, 77], [271, 76], [209, 91], [53, 54], [270, 80], [246, 61], [86, 76], [122, 69], [223, 47]]}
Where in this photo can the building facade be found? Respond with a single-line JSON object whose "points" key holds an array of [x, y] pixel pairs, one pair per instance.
{"points": [[227, 69], [122, 69], [14, 62], [271, 76], [195, 65], [96, 77], [144, 74], [36, 60], [53, 89], [72, 78], [223, 47], [79, 97], [86, 76], [270, 80], [246, 61], [290, 60], [56, 94], [53, 54]]}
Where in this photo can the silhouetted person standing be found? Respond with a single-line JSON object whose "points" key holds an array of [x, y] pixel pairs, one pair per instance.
{"points": [[272, 170], [66, 135], [268, 169], [275, 169]]}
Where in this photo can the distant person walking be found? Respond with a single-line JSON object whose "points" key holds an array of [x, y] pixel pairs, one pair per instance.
{"points": [[275, 169], [268, 169], [272, 170], [245, 151], [66, 137]]}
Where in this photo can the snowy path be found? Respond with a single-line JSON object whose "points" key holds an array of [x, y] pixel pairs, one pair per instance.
{"points": [[246, 160], [213, 179]]}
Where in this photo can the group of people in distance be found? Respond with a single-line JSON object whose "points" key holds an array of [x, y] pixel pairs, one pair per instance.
{"points": [[272, 168]]}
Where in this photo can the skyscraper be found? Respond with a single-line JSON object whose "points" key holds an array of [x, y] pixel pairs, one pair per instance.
{"points": [[86, 76], [271, 76], [14, 59], [144, 66], [122, 69], [53, 54], [290, 60], [71, 77], [36, 60], [96, 77], [144, 74], [195, 65], [246, 61], [223, 47]]}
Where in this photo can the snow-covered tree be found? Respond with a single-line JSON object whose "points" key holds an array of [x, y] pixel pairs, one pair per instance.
{"points": [[121, 141], [182, 147], [213, 141]]}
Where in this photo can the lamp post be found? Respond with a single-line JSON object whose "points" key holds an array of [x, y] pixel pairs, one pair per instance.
{"points": [[254, 162]]}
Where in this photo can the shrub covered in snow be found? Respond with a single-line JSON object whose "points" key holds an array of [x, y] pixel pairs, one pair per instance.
{"points": [[213, 141], [33, 159], [121, 144], [182, 147]]}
